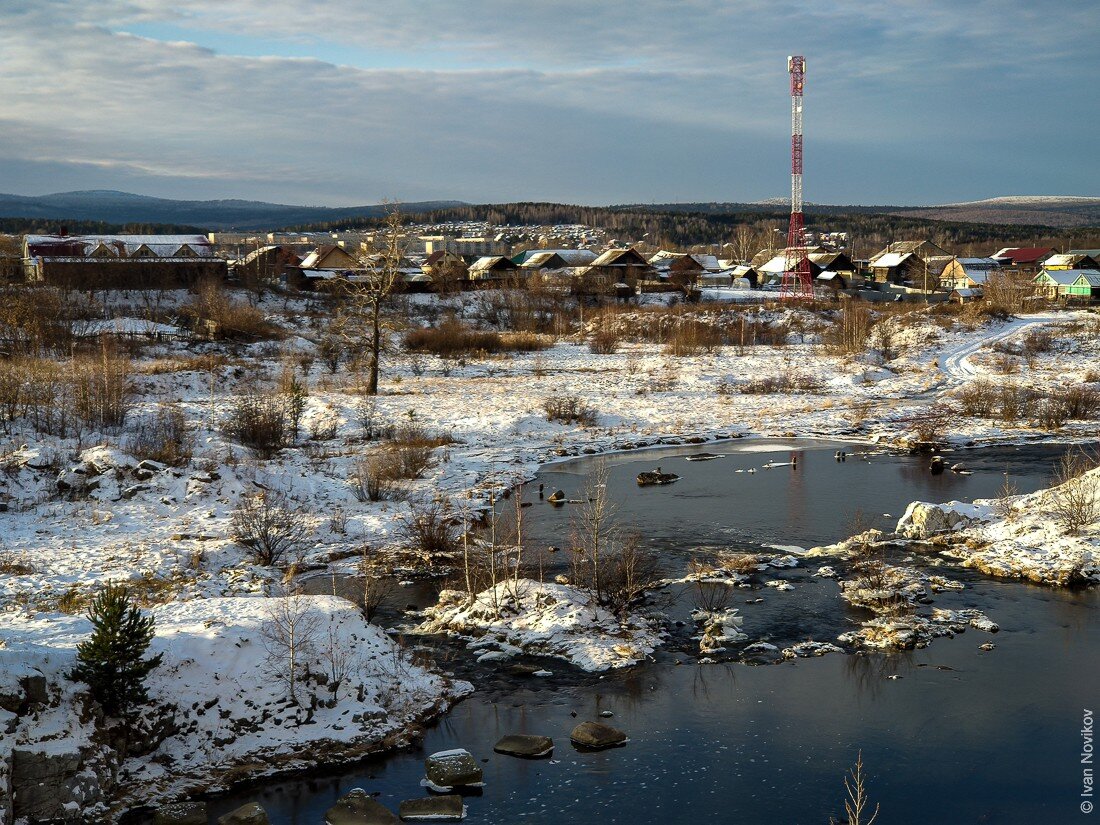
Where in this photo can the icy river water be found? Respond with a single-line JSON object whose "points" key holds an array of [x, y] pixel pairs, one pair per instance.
{"points": [[961, 735]]}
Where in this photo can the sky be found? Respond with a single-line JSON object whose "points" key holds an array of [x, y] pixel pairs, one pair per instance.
{"points": [[348, 102]]}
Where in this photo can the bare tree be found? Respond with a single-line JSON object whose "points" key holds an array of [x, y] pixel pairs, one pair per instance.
{"points": [[289, 636], [857, 801], [269, 527], [593, 531], [1075, 502], [366, 294]]}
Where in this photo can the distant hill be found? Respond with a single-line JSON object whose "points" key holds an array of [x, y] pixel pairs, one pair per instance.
{"points": [[122, 208], [1042, 210]]}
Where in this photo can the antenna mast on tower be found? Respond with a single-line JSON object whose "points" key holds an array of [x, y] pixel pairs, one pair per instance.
{"points": [[797, 284]]}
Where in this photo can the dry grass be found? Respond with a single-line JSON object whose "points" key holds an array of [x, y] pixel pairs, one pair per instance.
{"points": [[452, 339]]}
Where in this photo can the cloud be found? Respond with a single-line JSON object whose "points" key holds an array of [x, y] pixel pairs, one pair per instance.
{"points": [[485, 100]]}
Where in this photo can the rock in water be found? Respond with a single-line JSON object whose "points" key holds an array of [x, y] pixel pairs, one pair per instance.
{"points": [[250, 814], [357, 808], [452, 769], [182, 813], [525, 745], [444, 808], [596, 736]]}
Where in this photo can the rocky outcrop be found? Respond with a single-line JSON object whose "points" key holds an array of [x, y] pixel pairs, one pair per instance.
{"points": [[452, 769], [922, 519], [63, 786], [436, 808], [250, 814], [358, 808], [525, 745], [596, 736]]}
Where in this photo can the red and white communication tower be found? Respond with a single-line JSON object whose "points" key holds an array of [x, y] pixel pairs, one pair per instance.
{"points": [[797, 284]]}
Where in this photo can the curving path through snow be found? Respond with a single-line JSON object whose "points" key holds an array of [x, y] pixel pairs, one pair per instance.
{"points": [[955, 363]]}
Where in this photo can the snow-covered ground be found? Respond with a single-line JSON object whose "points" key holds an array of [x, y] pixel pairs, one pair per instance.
{"points": [[166, 531], [545, 619], [223, 698]]}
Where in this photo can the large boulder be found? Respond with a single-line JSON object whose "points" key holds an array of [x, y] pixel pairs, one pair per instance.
{"points": [[525, 745], [596, 736], [452, 769], [182, 813], [357, 807], [922, 520], [436, 808], [250, 814], [52, 786]]}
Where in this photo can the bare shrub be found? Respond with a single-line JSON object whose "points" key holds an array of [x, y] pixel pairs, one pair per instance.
{"points": [[14, 564], [786, 382], [165, 437], [101, 391], [570, 409], [692, 337], [604, 341], [269, 528], [376, 585], [230, 319], [289, 636], [849, 333], [738, 562], [259, 422], [629, 570], [1080, 401], [978, 398], [712, 597], [452, 339], [429, 531], [857, 802], [1075, 501], [373, 479]]}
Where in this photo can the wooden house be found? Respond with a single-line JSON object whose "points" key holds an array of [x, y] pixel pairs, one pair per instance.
{"points": [[907, 263], [1022, 260], [968, 273], [1071, 286], [491, 269], [615, 266]]}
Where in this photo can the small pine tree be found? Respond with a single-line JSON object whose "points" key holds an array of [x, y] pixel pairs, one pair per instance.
{"points": [[111, 660]]}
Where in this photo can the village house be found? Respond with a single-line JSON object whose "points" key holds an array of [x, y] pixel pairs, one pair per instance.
{"points": [[684, 269], [121, 261], [1022, 260], [915, 264], [1070, 286], [1071, 260], [491, 269], [967, 274], [614, 267], [325, 263]]}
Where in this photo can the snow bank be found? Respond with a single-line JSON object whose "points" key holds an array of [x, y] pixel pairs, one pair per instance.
{"points": [[222, 696], [546, 619]]}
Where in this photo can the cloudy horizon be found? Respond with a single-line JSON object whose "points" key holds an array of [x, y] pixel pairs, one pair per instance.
{"points": [[486, 101]]}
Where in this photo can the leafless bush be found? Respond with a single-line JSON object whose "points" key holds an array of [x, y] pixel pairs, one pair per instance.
{"points": [[978, 398], [269, 528], [851, 329], [857, 802], [101, 389], [165, 437], [260, 422], [604, 341], [713, 597], [373, 478], [289, 635], [231, 320], [14, 564], [787, 382], [628, 571], [376, 585], [570, 409], [1080, 401], [738, 562], [429, 531], [1075, 501], [692, 337], [452, 338]]}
